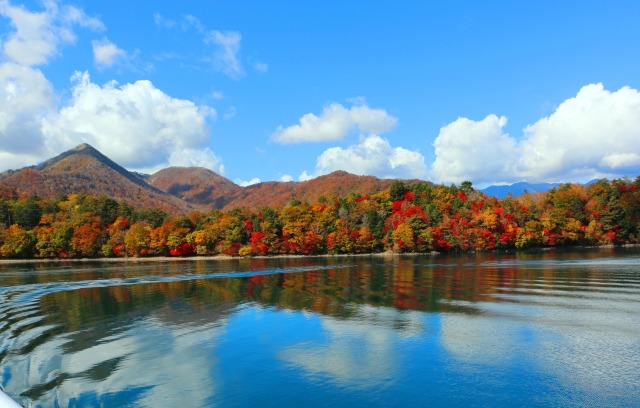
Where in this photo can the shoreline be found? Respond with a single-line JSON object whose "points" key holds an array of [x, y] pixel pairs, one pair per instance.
{"points": [[131, 259]]}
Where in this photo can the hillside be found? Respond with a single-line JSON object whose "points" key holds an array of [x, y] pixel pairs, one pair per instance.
{"points": [[195, 185], [203, 187], [177, 190], [86, 170], [338, 183]]}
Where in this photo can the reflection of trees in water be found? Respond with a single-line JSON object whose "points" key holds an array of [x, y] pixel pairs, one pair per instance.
{"points": [[329, 286]]}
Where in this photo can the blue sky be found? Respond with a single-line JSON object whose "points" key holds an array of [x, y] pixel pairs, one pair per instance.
{"points": [[492, 92]]}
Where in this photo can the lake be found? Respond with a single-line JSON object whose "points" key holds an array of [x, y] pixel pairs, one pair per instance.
{"points": [[547, 328]]}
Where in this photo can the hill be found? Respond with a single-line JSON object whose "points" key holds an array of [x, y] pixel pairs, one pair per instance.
{"points": [[177, 190], [338, 183], [195, 185], [86, 170], [203, 187]]}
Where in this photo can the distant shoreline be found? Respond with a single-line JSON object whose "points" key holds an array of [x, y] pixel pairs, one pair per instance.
{"points": [[134, 260]]}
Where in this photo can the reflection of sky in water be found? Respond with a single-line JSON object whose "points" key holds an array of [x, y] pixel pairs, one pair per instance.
{"points": [[360, 351], [535, 339], [151, 362], [587, 354]]}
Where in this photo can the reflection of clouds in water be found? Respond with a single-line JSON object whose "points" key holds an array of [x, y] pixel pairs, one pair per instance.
{"points": [[480, 338], [587, 358], [175, 363], [570, 341], [361, 351], [477, 339]]}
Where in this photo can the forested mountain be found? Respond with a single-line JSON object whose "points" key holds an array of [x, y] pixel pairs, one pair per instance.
{"points": [[203, 187], [177, 190], [86, 170], [196, 185], [338, 183]]}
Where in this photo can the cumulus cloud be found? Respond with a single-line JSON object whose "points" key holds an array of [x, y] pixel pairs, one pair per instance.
{"points": [[38, 35], [226, 57], [473, 150], [335, 123], [304, 176], [25, 98], [372, 155], [136, 124], [187, 157], [592, 135], [106, 54], [243, 183], [596, 132], [285, 178]]}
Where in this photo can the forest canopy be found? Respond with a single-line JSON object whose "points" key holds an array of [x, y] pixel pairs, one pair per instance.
{"points": [[406, 218]]}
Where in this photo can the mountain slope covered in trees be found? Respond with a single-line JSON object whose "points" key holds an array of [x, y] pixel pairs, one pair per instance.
{"points": [[177, 190], [86, 170]]}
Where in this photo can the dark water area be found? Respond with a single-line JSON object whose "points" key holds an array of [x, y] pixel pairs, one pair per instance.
{"points": [[514, 329]]}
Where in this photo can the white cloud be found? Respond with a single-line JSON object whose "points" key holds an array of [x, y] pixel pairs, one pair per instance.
{"points": [[106, 54], [186, 23], [190, 21], [595, 132], [243, 183], [225, 58], [285, 178], [226, 55], [137, 125], [230, 113], [304, 176], [193, 158], [25, 98], [163, 22], [38, 35], [217, 95], [473, 150], [261, 67], [335, 123], [592, 135], [372, 155], [620, 160]]}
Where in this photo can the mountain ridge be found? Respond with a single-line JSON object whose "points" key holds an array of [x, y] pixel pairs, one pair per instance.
{"points": [[84, 169]]}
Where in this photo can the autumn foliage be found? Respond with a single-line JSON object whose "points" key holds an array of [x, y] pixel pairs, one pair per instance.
{"points": [[417, 217]]}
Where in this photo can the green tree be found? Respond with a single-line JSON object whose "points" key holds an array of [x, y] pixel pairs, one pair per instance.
{"points": [[397, 190], [26, 213]]}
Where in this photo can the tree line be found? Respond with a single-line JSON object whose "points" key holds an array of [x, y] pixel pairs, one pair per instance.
{"points": [[406, 218]]}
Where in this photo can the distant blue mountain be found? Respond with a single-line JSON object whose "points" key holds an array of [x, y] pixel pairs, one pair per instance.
{"points": [[517, 189]]}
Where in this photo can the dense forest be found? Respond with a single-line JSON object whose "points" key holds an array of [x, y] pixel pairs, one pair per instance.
{"points": [[406, 218]]}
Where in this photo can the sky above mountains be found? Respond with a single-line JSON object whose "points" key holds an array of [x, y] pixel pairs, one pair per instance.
{"points": [[495, 92]]}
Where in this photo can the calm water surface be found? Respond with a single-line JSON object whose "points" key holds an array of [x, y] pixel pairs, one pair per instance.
{"points": [[527, 329]]}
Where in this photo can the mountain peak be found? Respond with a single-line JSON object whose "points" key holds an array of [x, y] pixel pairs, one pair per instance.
{"points": [[84, 146]]}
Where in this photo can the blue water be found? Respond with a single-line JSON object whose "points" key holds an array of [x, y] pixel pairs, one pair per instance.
{"points": [[528, 329]]}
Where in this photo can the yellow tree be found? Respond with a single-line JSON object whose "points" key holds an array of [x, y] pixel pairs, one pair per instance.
{"points": [[138, 239]]}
